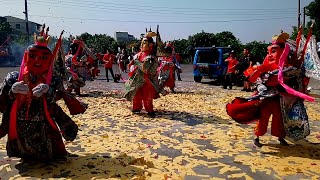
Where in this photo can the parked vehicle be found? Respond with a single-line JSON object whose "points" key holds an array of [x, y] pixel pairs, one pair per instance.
{"points": [[209, 63]]}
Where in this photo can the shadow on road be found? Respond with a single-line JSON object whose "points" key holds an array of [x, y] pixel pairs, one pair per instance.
{"points": [[86, 167], [98, 94], [191, 119], [305, 150]]}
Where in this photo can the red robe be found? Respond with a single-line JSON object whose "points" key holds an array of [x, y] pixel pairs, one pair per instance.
{"points": [[168, 64], [260, 110], [145, 94]]}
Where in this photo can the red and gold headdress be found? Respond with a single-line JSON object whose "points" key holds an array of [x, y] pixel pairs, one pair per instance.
{"points": [[149, 35], [43, 39], [281, 38]]}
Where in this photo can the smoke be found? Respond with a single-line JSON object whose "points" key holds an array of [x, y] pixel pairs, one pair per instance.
{"points": [[17, 52]]}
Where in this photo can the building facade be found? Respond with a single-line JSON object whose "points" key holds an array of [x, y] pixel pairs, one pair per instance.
{"points": [[123, 36], [20, 25]]}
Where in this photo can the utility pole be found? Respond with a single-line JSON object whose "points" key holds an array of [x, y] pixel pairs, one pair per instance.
{"points": [[299, 13], [26, 13], [304, 17]]}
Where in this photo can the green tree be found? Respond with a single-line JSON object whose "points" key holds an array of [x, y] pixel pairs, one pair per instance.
{"points": [[202, 39], [312, 10], [305, 31], [257, 49], [5, 31], [100, 42], [181, 46], [226, 38], [133, 45], [85, 37]]}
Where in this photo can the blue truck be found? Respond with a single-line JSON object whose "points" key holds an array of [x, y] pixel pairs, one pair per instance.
{"points": [[209, 63]]}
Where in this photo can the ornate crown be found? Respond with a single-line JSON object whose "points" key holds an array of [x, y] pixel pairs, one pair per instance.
{"points": [[282, 38], [150, 33], [43, 39]]}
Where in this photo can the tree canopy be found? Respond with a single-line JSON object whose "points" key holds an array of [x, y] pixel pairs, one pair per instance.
{"points": [[312, 10], [5, 31]]}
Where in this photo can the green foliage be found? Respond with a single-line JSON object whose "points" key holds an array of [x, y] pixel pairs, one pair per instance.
{"points": [[181, 46], [100, 42], [257, 49], [222, 39], [185, 47], [133, 45], [5, 31], [312, 10], [202, 39]]}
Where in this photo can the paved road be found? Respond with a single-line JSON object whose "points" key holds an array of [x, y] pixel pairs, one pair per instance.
{"points": [[191, 138]]}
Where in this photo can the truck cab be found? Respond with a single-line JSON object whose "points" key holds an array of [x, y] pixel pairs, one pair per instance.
{"points": [[209, 62]]}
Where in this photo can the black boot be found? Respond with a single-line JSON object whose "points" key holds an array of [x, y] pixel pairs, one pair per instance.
{"points": [[135, 111], [256, 142], [152, 114], [283, 142]]}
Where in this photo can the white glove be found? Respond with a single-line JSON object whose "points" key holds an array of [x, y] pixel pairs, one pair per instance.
{"points": [[20, 88], [40, 89]]}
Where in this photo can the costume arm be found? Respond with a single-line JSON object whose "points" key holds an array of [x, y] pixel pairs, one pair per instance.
{"points": [[52, 92], [6, 99], [3, 106], [68, 127]]}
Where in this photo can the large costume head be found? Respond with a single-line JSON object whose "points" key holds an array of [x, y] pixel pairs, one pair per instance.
{"points": [[276, 49], [147, 43], [38, 57]]}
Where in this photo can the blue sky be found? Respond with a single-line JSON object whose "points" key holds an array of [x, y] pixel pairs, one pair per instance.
{"points": [[248, 19]]}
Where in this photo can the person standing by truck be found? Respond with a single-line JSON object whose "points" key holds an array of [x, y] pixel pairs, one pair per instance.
{"points": [[232, 64], [245, 62]]}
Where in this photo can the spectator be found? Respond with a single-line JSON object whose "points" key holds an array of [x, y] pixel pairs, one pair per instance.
{"points": [[231, 70], [108, 59], [245, 62]]}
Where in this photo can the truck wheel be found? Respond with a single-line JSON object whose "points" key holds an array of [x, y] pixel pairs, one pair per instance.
{"points": [[197, 78]]}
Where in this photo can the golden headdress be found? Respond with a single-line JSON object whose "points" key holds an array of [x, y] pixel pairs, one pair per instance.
{"points": [[281, 38], [43, 39]]}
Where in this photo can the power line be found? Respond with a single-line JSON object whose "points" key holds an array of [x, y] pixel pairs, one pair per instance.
{"points": [[107, 4], [128, 9], [165, 22], [174, 8], [96, 8]]}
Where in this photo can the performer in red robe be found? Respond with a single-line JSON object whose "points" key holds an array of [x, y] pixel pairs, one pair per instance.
{"points": [[33, 121], [167, 69], [273, 97], [142, 86]]}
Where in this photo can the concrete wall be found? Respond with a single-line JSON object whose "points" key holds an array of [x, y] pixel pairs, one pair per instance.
{"points": [[20, 25], [121, 36]]}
